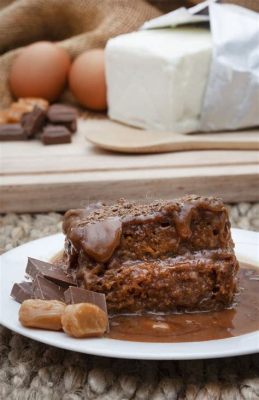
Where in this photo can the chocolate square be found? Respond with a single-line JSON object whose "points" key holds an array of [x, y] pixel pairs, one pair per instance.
{"points": [[49, 271], [46, 290], [56, 134], [61, 113], [74, 295], [22, 291], [33, 121], [11, 132]]}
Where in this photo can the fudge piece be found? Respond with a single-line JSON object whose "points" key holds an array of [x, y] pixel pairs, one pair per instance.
{"points": [[164, 256], [156, 79]]}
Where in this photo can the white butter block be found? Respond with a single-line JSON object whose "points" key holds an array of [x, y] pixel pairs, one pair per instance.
{"points": [[156, 79]]}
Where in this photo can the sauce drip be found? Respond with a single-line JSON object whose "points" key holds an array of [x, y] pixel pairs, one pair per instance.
{"points": [[97, 229], [99, 239], [194, 327]]}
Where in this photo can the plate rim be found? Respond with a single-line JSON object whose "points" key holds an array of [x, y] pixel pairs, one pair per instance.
{"points": [[114, 347]]}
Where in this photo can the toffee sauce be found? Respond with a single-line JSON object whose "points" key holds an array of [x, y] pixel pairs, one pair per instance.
{"points": [[242, 318]]}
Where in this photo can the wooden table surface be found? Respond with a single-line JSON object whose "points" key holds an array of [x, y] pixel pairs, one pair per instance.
{"points": [[35, 178]]}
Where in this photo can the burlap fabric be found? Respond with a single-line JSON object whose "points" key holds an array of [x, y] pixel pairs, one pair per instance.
{"points": [[34, 371], [77, 25]]}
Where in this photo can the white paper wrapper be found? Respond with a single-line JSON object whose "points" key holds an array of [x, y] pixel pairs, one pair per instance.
{"points": [[183, 15], [232, 95]]}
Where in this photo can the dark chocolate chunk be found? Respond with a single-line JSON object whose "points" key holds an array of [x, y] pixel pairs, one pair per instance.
{"points": [[60, 113], [9, 132], [49, 271], [56, 134], [74, 295], [46, 290], [33, 121], [22, 291], [70, 125]]}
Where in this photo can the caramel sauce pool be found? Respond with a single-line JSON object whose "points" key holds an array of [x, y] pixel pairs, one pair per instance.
{"points": [[195, 327]]}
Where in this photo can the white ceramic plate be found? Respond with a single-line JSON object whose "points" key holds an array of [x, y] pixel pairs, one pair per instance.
{"points": [[12, 270]]}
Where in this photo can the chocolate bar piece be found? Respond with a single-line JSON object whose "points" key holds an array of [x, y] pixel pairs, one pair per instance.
{"points": [[74, 295], [60, 113], [56, 134], [10, 132], [49, 271], [33, 121], [46, 290], [22, 291]]}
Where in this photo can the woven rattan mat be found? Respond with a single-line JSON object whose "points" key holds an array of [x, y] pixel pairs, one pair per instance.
{"points": [[31, 370]]}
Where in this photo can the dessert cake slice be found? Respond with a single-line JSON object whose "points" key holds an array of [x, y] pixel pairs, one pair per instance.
{"points": [[166, 256]]}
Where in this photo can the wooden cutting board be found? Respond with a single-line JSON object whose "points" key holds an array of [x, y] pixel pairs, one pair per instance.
{"points": [[36, 178]]}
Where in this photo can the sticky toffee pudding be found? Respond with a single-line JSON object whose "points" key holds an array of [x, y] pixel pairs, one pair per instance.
{"points": [[162, 272]]}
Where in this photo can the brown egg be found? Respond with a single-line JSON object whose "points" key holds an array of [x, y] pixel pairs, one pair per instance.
{"points": [[87, 80], [40, 70]]}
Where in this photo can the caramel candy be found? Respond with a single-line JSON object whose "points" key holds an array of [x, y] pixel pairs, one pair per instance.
{"points": [[84, 320], [34, 101], [16, 111], [44, 314]]}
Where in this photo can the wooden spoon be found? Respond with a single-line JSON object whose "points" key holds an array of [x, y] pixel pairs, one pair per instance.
{"points": [[116, 137]]}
